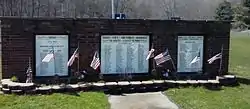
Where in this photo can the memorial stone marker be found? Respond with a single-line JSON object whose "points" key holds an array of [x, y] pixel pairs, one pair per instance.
{"points": [[123, 46], [58, 44]]}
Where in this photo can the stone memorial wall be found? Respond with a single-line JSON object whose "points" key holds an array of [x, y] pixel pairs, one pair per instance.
{"points": [[122, 44]]}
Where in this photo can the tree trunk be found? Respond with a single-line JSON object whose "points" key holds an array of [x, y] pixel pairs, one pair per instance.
{"points": [[33, 8], [38, 8], [11, 8], [48, 10], [2, 7], [21, 9]]}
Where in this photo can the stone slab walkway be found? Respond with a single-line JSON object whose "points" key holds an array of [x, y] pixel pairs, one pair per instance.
{"points": [[152, 100]]}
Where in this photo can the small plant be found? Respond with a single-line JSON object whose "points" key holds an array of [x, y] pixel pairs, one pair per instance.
{"points": [[14, 79]]}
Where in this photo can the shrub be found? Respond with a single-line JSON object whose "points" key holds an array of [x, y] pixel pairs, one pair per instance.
{"points": [[14, 79]]}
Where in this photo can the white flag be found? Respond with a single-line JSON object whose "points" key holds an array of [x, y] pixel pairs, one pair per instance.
{"points": [[150, 54], [95, 62], [217, 56], [72, 58], [48, 57], [163, 57], [196, 59]]}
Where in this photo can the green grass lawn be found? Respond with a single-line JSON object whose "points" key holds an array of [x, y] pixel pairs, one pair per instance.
{"points": [[83, 100], [229, 97]]}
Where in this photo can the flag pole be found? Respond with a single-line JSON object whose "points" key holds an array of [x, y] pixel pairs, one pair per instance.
{"points": [[153, 62], [172, 61], [29, 62], [153, 72], [78, 60], [53, 51], [221, 59], [28, 73], [173, 64]]}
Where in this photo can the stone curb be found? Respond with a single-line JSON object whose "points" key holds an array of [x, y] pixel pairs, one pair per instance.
{"points": [[108, 87]]}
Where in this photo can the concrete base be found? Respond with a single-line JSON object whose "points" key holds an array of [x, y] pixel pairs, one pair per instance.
{"points": [[153, 100], [109, 87]]}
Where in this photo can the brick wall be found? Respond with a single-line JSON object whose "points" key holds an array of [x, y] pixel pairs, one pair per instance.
{"points": [[18, 38]]}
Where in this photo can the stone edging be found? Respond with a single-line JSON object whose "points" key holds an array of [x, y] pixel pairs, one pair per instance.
{"points": [[9, 87]]}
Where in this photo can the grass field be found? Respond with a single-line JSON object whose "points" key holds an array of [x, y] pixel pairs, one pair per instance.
{"points": [[83, 100], [229, 97]]}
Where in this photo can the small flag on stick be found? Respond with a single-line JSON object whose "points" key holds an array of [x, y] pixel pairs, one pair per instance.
{"points": [[72, 58], [48, 57], [196, 58], [29, 73], [28, 70], [96, 61], [217, 56], [150, 54], [163, 57]]}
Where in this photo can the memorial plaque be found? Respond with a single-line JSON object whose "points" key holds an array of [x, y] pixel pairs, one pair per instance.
{"points": [[124, 54], [58, 44], [190, 47]]}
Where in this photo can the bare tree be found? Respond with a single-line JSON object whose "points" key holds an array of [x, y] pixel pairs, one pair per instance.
{"points": [[48, 8], [38, 8], [143, 9], [2, 7], [21, 8], [168, 8]]}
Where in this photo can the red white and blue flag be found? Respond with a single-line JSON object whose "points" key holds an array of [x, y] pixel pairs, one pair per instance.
{"points": [[72, 58], [96, 61], [162, 57]]}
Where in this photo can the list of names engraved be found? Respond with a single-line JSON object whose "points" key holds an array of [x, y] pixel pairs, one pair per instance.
{"points": [[58, 46], [124, 54]]}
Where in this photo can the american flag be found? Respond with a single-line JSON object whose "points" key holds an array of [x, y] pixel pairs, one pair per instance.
{"points": [[96, 61], [48, 57], [28, 70], [217, 56], [163, 57], [196, 58], [72, 58]]}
